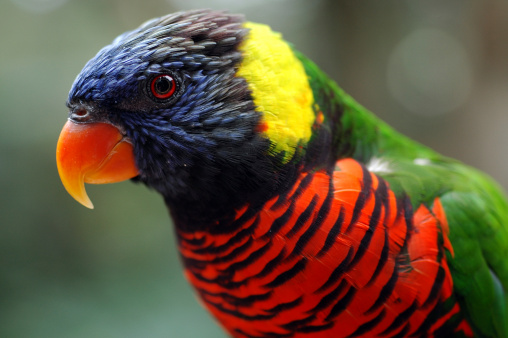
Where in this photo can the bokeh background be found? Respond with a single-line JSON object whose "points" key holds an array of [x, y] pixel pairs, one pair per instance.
{"points": [[435, 70]]}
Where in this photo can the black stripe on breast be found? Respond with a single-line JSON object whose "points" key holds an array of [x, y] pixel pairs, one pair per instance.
{"points": [[239, 314], [328, 299], [342, 304], [285, 306], [386, 291], [314, 328], [281, 221], [282, 199], [408, 215], [382, 194], [404, 332], [234, 253], [246, 301], [401, 319], [436, 287], [436, 313], [262, 334], [338, 271], [249, 260], [332, 234], [366, 327], [364, 244], [315, 225], [383, 258], [289, 274], [450, 326], [304, 216], [293, 325], [362, 198], [241, 235], [271, 265]]}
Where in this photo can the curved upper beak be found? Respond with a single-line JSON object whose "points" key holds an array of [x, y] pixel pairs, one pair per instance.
{"points": [[93, 153]]}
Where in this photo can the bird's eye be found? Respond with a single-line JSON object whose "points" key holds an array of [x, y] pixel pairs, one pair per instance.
{"points": [[163, 86]]}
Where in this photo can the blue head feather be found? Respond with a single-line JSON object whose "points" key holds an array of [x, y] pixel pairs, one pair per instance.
{"points": [[202, 146]]}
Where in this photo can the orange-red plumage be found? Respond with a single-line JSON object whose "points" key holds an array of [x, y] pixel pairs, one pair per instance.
{"points": [[334, 241]]}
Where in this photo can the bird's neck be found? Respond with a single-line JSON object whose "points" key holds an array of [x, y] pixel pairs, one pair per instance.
{"points": [[208, 206]]}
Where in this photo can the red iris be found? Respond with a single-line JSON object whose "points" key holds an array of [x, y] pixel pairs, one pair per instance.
{"points": [[163, 86]]}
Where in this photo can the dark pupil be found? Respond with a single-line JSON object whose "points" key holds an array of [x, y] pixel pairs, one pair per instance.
{"points": [[163, 85]]}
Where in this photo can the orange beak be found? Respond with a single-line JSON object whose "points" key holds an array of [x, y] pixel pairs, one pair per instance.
{"points": [[94, 153]]}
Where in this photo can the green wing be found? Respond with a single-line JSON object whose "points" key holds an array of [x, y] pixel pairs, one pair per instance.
{"points": [[476, 208], [477, 214]]}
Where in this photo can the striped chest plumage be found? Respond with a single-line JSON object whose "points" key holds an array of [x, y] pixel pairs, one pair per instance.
{"points": [[337, 255]]}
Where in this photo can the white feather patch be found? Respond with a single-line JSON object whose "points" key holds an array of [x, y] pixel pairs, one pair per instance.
{"points": [[378, 165], [422, 161]]}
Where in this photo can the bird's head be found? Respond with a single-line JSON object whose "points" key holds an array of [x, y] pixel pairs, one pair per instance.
{"points": [[194, 103]]}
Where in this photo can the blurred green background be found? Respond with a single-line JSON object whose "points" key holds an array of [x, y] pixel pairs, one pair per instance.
{"points": [[435, 70]]}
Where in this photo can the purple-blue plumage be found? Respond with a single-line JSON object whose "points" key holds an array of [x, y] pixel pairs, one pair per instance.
{"points": [[201, 146]]}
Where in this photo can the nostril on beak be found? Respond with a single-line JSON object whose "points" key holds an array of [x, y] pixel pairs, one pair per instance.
{"points": [[80, 115]]}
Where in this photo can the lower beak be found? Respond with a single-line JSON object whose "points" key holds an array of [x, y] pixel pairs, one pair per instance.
{"points": [[94, 153]]}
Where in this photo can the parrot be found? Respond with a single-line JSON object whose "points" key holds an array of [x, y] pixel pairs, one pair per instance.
{"points": [[297, 211]]}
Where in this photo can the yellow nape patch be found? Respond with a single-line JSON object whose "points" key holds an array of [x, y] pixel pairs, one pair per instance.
{"points": [[280, 88]]}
